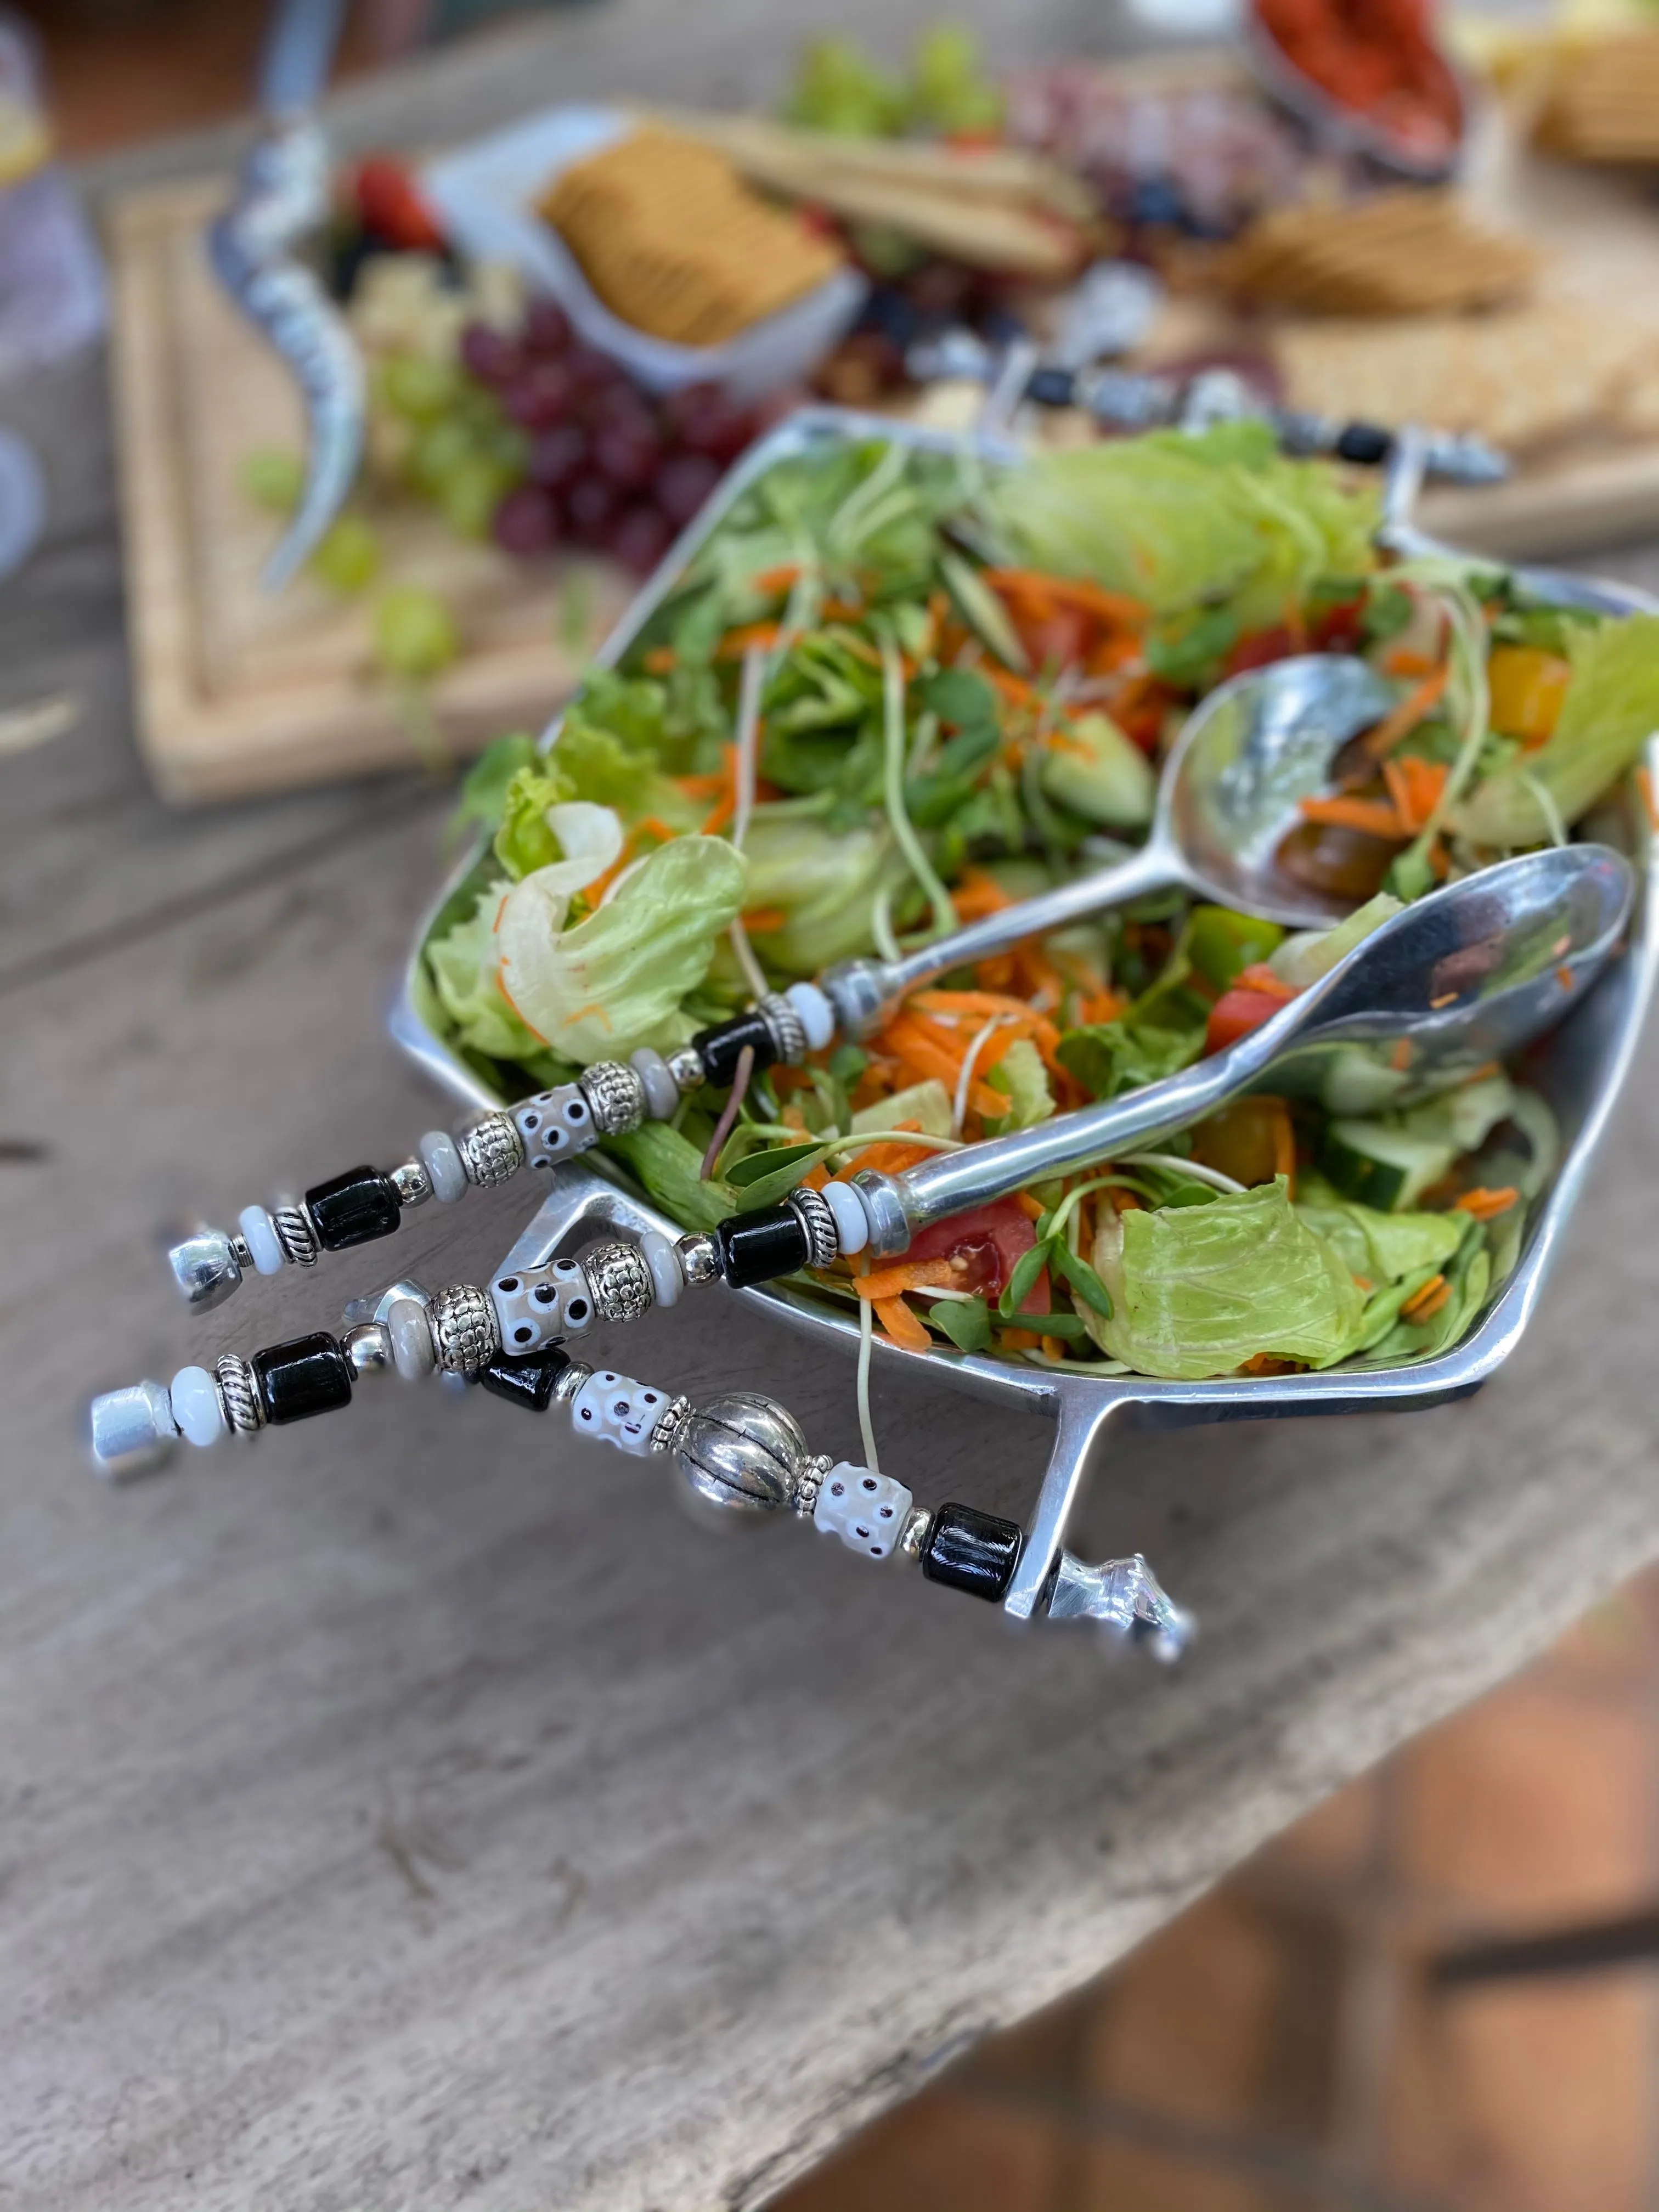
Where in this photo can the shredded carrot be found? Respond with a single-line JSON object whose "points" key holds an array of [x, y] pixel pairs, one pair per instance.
{"points": [[1259, 977], [1400, 1058], [1404, 661], [781, 579], [901, 1325], [759, 920], [1113, 607], [1406, 715], [841, 610], [1028, 1206], [747, 637], [1644, 785], [1563, 977], [1020, 1340], [1375, 817], [1284, 1145], [1486, 1204], [977, 895], [660, 659], [893, 1282], [1014, 689], [1054, 1347], [1428, 1300]]}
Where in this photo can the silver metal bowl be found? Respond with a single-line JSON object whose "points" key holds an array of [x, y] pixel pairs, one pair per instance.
{"points": [[1581, 1069]]}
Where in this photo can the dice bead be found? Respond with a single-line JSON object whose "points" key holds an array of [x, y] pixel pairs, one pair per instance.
{"points": [[305, 1375], [539, 1306], [357, 1208], [619, 1410], [866, 1510]]}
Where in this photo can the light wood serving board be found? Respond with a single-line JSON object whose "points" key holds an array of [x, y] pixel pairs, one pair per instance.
{"points": [[239, 690]]}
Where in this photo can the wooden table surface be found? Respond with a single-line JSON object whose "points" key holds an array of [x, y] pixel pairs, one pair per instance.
{"points": [[417, 1810]]}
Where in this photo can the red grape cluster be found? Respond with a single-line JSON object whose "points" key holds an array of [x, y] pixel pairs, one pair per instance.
{"points": [[609, 466]]}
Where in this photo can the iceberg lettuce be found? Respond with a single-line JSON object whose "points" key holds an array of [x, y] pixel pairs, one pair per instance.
{"points": [[1197, 1290], [595, 991]]}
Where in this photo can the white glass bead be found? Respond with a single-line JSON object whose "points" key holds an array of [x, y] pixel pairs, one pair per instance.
{"points": [[413, 1352], [852, 1223], [537, 1306], [260, 1233], [194, 1397], [817, 1016], [662, 1093], [618, 1411], [664, 1262], [555, 1125], [865, 1511], [440, 1156]]}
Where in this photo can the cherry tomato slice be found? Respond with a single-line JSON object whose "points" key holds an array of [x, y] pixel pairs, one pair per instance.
{"points": [[1235, 1014], [992, 1239]]}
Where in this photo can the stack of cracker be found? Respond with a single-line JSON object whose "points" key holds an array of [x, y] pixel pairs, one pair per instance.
{"points": [[1603, 104], [674, 242], [1404, 252]]}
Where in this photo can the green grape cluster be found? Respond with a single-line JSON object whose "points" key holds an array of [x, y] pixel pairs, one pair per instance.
{"points": [[462, 453]]}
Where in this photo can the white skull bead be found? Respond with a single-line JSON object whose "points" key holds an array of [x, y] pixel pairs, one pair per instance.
{"points": [[555, 1125], [537, 1306], [865, 1511], [618, 1411]]}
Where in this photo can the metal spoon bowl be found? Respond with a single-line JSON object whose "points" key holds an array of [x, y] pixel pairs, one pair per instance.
{"points": [[1232, 785], [1466, 977]]}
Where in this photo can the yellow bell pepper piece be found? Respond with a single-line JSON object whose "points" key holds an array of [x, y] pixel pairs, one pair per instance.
{"points": [[1528, 686]]}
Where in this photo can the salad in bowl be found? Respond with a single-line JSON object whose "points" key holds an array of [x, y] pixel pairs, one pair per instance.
{"points": [[887, 688]]}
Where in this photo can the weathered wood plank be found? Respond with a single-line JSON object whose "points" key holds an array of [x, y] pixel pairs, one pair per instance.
{"points": [[416, 1809]]}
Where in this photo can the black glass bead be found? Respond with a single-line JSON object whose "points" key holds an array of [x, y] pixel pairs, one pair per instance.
{"points": [[1366, 443], [758, 1248], [1052, 387], [354, 1208], [309, 1375], [972, 1552], [528, 1382], [717, 1048]]}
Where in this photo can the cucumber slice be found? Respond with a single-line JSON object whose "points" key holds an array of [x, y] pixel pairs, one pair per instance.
{"points": [[1382, 1167]]}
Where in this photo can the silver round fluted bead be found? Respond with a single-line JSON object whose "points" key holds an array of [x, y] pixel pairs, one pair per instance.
{"points": [[297, 1235], [741, 1453], [465, 1329], [811, 1209], [620, 1280], [491, 1150], [788, 1032], [239, 1393], [614, 1095]]}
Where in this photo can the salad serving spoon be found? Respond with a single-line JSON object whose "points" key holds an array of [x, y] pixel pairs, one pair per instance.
{"points": [[1231, 785]]}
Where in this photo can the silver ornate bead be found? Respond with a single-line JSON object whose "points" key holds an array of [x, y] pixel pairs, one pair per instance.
{"points": [[686, 1068], [787, 1031], [491, 1150], [367, 1347], [616, 1096], [410, 1183], [741, 1453], [811, 1209], [620, 1280], [665, 1437], [207, 1267], [239, 1393], [465, 1330], [296, 1233], [913, 1534], [809, 1483], [699, 1258]]}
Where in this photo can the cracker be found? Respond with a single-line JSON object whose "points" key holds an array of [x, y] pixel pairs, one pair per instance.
{"points": [[1398, 253]]}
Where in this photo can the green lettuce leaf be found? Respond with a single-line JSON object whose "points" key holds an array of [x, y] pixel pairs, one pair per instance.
{"points": [[463, 968], [1093, 768], [1022, 1079], [1219, 520], [668, 1166], [928, 1105], [1380, 1248], [612, 981], [1301, 960], [1610, 710], [1110, 1057], [1197, 1291], [524, 838], [822, 881]]}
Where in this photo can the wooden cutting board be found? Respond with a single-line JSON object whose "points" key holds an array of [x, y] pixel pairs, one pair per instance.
{"points": [[239, 690]]}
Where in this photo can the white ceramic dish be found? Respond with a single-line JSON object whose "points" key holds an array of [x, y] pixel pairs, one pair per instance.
{"points": [[485, 194]]}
